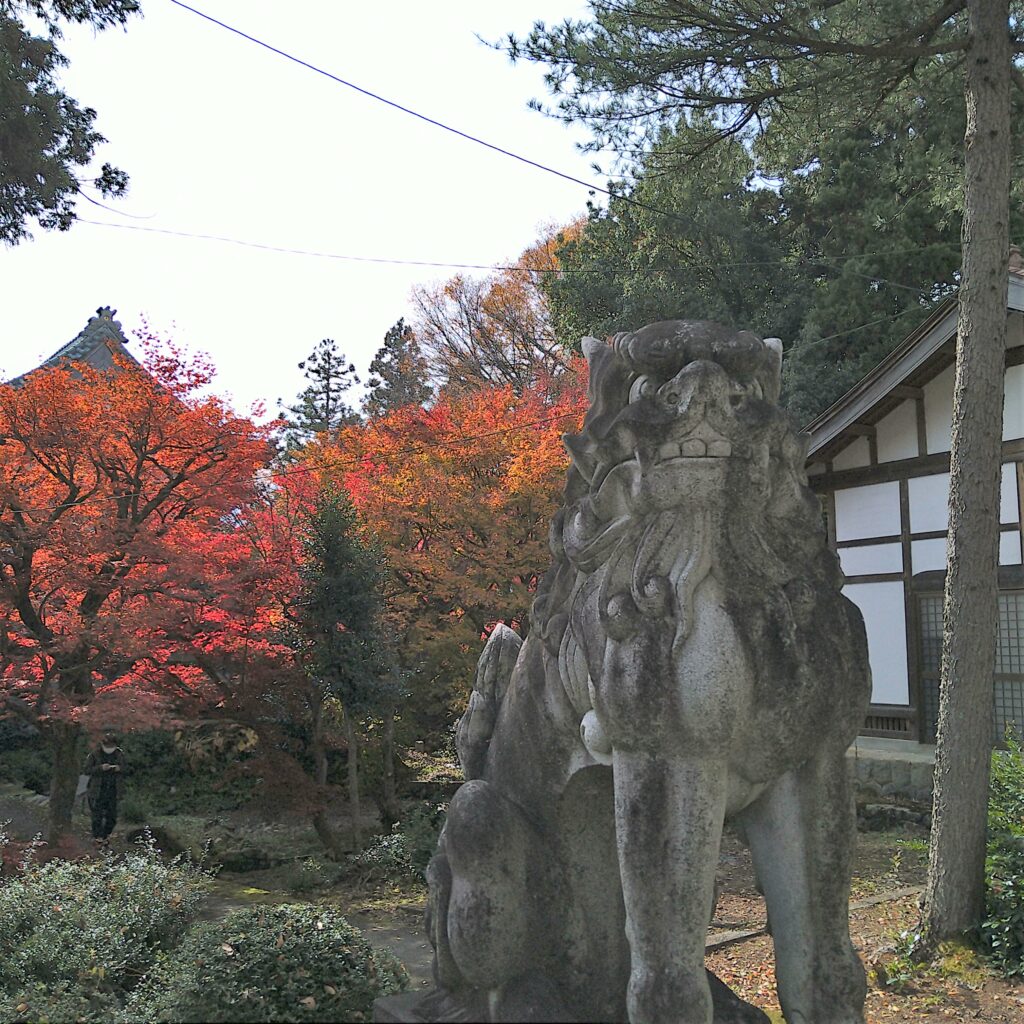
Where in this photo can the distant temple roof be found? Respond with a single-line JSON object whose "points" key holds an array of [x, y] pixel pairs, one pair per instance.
{"points": [[95, 344]]}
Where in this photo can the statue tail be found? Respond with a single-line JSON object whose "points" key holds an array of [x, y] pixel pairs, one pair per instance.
{"points": [[493, 675]]}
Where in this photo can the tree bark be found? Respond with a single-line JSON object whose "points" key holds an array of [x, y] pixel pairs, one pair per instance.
{"points": [[63, 738], [389, 800], [353, 782], [321, 821], [954, 900]]}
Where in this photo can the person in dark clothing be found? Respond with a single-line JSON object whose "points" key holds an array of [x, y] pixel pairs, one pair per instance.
{"points": [[105, 768]]}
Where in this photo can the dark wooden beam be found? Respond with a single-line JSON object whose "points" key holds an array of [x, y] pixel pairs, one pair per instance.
{"points": [[886, 472]]}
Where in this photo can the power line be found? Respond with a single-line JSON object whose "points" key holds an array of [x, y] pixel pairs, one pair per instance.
{"points": [[396, 261], [408, 110], [394, 104]]}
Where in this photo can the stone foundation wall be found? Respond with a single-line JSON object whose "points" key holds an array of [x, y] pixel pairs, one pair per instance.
{"points": [[892, 778]]}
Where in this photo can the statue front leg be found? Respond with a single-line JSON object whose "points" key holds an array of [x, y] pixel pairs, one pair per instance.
{"points": [[801, 834], [668, 817]]}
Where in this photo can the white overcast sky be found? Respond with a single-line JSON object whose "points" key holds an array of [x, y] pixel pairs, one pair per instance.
{"points": [[221, 137]]}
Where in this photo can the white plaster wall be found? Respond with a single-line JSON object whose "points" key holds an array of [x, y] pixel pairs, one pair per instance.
{"points": [[1009, 547], [873, 558], [1009, 509], [928, 554], [885, 620], [938, 411], [897, 434], [1013, 403], [854, 455], [871, 511], [929, 503], [931, 554]]}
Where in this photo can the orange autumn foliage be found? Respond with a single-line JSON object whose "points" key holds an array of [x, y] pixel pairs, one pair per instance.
{"points": [[496, 330], [460, 497]]}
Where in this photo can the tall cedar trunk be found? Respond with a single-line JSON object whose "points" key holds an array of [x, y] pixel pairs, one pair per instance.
{"points": [[353, 782], [954, 899], [321, 823], [63, 739], [389, 802]]}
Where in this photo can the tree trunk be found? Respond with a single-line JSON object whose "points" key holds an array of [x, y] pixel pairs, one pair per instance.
{"points": [[389, 801], [954, 900], [63, 738], [353, 782], [321, 822]]}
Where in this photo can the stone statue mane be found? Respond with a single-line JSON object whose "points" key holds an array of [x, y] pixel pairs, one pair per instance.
{"points": [[691, 657], [636, 505]]}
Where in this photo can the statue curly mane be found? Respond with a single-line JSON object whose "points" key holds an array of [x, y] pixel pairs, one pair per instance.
{"points": [[771, 546]]}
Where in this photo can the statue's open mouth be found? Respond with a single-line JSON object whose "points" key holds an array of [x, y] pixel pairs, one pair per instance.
{"points": [[704, 442]]}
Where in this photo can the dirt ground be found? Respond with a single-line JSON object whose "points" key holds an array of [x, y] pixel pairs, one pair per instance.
{"points": [[959, 988]]}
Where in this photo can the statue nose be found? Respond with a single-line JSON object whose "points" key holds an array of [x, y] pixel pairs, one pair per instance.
{"points": [[696, 385]]}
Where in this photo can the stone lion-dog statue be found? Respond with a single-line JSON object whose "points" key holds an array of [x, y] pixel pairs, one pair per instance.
{"points": [[690, 659]]}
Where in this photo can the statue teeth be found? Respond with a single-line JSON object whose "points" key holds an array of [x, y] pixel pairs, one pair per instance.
{"points": [[693, 447], [720, 449], [670, 450]]}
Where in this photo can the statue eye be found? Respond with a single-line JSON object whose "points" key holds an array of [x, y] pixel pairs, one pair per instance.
{"points": [[640, 388]]}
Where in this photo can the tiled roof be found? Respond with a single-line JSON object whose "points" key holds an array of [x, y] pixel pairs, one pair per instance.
{"points": [[92, 345]]}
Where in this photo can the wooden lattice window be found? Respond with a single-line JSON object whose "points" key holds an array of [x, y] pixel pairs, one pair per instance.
{"points": [[1008, 688]]}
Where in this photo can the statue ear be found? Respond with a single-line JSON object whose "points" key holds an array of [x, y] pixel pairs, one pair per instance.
{"points": [[591, 346], [771, 376]]}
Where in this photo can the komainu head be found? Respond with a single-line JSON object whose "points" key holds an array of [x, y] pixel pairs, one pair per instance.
{"points": [[685, 458]]}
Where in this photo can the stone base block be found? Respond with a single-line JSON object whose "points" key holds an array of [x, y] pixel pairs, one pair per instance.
{"points": [[441, 1008]]}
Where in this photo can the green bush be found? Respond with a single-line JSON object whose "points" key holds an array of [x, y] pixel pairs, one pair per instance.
{"points": [[406, 851], [135, 808], [1002, 931], [281, 963], [167, 777], [30, 764], [77, 934], [307, 875]]}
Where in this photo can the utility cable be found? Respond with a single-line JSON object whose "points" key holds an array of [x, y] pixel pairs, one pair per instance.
{"points": [[394, 261], [394, 104]]}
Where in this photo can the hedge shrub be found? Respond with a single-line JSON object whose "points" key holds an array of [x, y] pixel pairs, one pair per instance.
{"points": [[285, 963], [1002, 931], [77, 935]]}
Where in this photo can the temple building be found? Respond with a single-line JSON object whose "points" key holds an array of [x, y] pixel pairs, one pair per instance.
{"points": [[879, 459], [94, 345]]}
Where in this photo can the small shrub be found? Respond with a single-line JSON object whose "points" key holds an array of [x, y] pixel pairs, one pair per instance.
{"points": [[1002, 931], [78, 934], [308, 875], [385, 857], [135, 808], [268, 964], [421, 828], [29, 764], [406, 851]]}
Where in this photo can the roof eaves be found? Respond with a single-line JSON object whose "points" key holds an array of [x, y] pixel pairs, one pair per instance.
{"points": [[899, 364]]}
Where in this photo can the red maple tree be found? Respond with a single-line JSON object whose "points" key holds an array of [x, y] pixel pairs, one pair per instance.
{"points": [[118, 541]]}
